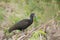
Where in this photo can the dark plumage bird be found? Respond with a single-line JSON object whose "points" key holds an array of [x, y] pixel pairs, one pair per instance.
{"points": [[23, 24]]}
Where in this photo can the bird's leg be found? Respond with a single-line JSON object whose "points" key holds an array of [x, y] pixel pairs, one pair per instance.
{"points": [[23, 32]]}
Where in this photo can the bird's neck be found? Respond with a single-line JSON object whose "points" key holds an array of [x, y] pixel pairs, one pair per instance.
{"points": [[31, 18]]}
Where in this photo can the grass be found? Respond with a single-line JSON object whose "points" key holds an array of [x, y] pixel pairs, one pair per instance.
{"points": [[1, 14], [44, 10]]}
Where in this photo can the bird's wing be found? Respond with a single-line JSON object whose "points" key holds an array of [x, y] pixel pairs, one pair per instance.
{"points": [[23, 23]]}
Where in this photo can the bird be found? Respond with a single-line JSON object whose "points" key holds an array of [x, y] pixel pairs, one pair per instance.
{"points": [[23, 24]]}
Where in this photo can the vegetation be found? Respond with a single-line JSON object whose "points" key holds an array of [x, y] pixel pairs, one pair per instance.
{"points": [[12, 11]]}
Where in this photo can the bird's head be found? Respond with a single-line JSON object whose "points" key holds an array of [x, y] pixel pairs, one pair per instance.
{"points": [[32, 15]]}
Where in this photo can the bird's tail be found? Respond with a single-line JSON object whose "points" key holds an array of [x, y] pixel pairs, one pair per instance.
{"points": [[10, 30]]}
